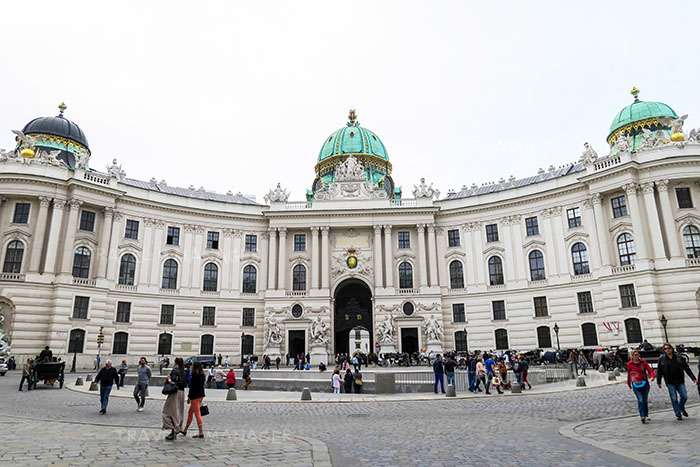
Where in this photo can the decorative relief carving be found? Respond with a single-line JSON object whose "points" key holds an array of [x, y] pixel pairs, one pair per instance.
{"points": [[425, 191], [44, 201], [648, 187], [662, 185], [350, 183], [278, 195], [630, 189]]}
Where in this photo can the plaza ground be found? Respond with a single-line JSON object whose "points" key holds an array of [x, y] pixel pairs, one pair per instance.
{"points": [[539, 428]]}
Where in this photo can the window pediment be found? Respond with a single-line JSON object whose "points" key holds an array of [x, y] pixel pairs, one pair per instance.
{"points": [[454, 253], [212, 257], [170, 252], [533, 244], [688, 218], [494, 249], [621, 226], [85, 239], [575, 236], [132, 248], [405, 256], [248, 258], [17, 234]]}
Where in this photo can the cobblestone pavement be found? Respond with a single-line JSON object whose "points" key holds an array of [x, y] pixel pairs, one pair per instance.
{"points": [[507, 430]]}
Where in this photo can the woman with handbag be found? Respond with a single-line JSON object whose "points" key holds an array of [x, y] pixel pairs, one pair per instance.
{"points": [[194, 398], [357, 383], [638, 375], [480, 375], [174, 407]]}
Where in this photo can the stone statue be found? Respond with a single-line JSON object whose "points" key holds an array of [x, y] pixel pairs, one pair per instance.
{"points": [[694, 136], [386, 331], [273, 333], [319, 331], [350, 171], [5, 348], [589, 155], [278, 195], [676, 124], [654, 139], [115, 171], [82, 158], [425, 191], [27, 141], [622, 143], [432, 329]]}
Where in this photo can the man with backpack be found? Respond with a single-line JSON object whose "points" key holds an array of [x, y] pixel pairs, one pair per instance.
{"points": [[471, 372]]}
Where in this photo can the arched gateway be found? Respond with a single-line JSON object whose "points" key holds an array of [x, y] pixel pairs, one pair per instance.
{"points": [[352, 309]]}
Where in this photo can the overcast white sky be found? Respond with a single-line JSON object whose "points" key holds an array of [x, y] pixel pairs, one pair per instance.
{"points": [[241, 95]]}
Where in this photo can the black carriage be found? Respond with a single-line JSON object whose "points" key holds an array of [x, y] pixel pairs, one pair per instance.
{"points": [[49, 372]]}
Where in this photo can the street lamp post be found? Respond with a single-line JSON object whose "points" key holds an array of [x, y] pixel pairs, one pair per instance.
{"points": [[556, 331], [465, 339], [75, 352], [242, 344], [664, 322]]}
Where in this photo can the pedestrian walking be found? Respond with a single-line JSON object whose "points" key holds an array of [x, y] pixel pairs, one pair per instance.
{"points": [[480, 375], [348, 381], [449, 366], [582, 362], [439, 371], [471, 372], [26, 372], [194, 399], [144, 373], [246, 375], [503, 371], [671, 367], [354, 362], [219, 358], [638, 375], [123, 368], [524, 366], [219, 377], [357, 381], [517, 370], [174, 407], [277, 362], [490, 375], [231, 379], [336, 381], [107, 376]]}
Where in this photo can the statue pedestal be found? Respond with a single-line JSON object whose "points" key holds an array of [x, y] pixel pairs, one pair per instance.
{"points": [[387, 348], [434, 346], [319, 354], [273, 350]]}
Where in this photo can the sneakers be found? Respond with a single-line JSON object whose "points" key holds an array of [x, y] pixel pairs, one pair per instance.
{"points": [[679, 418], [103, 411], [685, 414], [140, 409]]}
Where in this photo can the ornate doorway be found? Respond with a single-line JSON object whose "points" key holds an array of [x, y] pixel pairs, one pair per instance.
{"points": [[352, 309], [297, 343], [409, 340]]}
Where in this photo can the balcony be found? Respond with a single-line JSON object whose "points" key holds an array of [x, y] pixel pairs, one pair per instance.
{"points": [[457, 291], [493, 288], [210, 293], [581, 277], [616, 270], [126, 288], [690, 262], [607, 163], [9, 276], [395, 203], [94, 178], [295, 293], [408, 291], [537, 283], [169, 291], [249, 294], [84, 282]]}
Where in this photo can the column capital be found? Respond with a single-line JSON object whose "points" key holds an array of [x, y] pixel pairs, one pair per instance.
{"points": [[44, 201], [324, 230], [59, 203], [662, 185], [314, 231], [149, 222], [227, 232], [588, 203], [76, 203], [160, 224], [546, 213], [108, 212], [648, 187], [596, 198], [377, 229], [387, 228], [630, 188], [265, 234], [556, 211], [117, 215], [505, 221], [282, 231], [421, 228], [431, 228], [189, 228], [198, 230], [272, 231], [237, 233]]}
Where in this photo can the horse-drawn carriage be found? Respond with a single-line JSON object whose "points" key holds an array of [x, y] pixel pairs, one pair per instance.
{"points": [[49, 373]]}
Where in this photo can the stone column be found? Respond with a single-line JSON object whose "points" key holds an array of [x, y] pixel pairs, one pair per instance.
{"points": [[560, 246], [601, 229], [669, 224], [272, 260], [422, 269], [226, 264], [314, 258], [69, 242], [657, 238], [103, 247], [187, 257], [39, 234], [550, 254], [517, 238], [159, 233], [594, 249], [282, 260], [508, 245], [470, 254], [265, 236], [388, 258], [378, 274], [478, 247], [640, 241], [432, 256], [196, 258], [325, 259], [114, 245], [236, 263], [443, 279], [146, 252]]}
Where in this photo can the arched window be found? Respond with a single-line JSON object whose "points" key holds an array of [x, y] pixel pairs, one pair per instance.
{"points": [[120, 343], [501, 339], [634, 330], [590, 336], [461, 341], [206, 345], [247, 344], [495, 270], [579, 255], [81, 263], [405, 275], [76, 341], [456, 275], [536, 265], [299, 277], [13, 257], [211, 277], [691, 239], [544, 337], [250, 277], [625, 247], [127, 270], [165, 344], [169, 274]]}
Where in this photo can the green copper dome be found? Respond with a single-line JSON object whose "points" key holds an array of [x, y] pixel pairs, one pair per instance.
{"points": [[640, 114], [352, 139]]}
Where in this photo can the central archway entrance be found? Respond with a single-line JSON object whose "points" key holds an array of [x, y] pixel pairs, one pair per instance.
{"points": [[352, 311]]}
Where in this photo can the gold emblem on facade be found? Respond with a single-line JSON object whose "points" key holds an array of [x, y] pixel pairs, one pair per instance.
{"points": [[351, 260]]}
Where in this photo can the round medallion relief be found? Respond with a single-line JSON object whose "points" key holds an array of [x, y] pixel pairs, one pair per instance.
{"points": [[297, 311], [408, 308]]}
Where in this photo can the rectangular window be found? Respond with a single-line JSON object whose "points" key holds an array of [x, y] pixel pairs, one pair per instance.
{"points": [[87, 221], [541, 306], [619, 206], [208, 316], [173, 236], [453, 237], [458, 315], [80, 307], [123, 312], [299, 242], [167, 314], [499, 309], [574, 217], [531, 226], [247, 344], [251, 243], [492, 233], [684, 199], [132, 229], [213, 240], [248, 317], [404, 239], [627, 297], [21, 213], [585, 302]]}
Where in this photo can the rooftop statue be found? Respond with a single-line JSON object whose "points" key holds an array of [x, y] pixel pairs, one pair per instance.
{"points": [[425, 191], [116, 171], [350, 171], [278, 195], [589, 155], [623, 143]]}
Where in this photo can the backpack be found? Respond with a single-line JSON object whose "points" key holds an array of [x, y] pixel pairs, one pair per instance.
{"points": [[516, 367]]}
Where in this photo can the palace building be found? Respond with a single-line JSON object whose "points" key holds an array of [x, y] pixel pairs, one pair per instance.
{"points": [[601, 252]]}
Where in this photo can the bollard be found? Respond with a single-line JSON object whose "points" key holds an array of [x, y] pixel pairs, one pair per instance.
{"points": [[581, 382], [89, 378], [231, 395], [93, 386], [515, 388], [601, 369], [450, 391], [617, 372], [79, 382], [611, 376], [306, 394]]}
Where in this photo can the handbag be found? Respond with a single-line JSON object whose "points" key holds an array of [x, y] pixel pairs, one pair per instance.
{"points": [[203, 410], [358, 381], [169, 388]]}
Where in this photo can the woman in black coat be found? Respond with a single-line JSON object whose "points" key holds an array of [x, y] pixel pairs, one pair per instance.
{"points": [[348, 381], [194, 398]]}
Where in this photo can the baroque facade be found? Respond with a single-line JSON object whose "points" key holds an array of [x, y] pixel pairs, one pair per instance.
{"points": [[601, 252]]}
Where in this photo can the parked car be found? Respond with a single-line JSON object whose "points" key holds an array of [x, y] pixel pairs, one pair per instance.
{"points": [[3, 369], [206, 360]]}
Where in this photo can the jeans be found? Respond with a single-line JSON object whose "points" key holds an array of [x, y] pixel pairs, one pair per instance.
{"points": [[450, 378], [519, 379], [121, 379], [219, 385], [104, 395], [29, 383], [472, 378], [642, 399], [439, 378], [140, 393], [524, 377], [675, 390]]}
